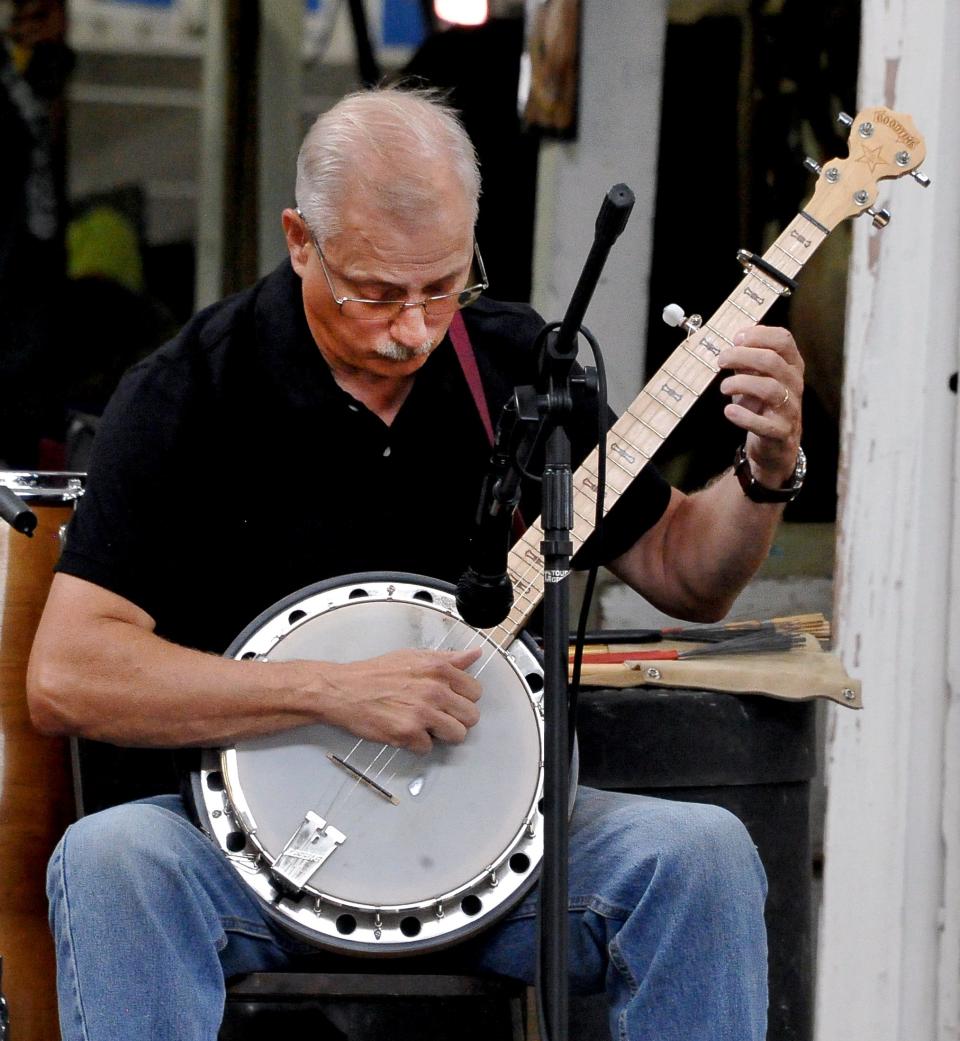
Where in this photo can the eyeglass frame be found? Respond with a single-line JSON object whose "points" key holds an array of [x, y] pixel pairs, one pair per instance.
{"points": [[471, 293]]}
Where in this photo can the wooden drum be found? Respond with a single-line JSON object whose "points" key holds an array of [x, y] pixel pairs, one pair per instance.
{"points": [[36, 793]]}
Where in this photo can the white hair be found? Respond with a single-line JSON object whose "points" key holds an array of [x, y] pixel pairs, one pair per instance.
{"points": [[387, 144]]}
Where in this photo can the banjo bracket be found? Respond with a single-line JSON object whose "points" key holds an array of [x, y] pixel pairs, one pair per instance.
{"points": [[312, 844]]}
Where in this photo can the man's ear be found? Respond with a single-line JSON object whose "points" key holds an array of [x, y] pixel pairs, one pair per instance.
{"points": [[298, 240]]}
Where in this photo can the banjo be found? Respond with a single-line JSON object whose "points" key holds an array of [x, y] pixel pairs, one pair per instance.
{"points": [[366, 848]]}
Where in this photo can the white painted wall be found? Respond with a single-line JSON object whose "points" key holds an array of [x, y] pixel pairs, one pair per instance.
{"points": [[621, 64], [889, 964]]}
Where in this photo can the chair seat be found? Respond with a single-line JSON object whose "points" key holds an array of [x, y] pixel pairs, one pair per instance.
{"points": [[277, 986], [370, 1006]]}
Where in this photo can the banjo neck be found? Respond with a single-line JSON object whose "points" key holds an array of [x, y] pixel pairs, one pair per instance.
{"points": [[883, 144], [654, 413]]}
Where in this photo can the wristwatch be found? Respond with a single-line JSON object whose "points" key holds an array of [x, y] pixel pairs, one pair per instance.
{"points": [[757, 492]]}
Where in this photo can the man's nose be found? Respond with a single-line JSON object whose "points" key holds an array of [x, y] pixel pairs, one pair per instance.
{"points": [[410, 326]]}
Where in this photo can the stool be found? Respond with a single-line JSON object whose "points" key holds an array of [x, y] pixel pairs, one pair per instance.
{"points": [[402, 1006]]}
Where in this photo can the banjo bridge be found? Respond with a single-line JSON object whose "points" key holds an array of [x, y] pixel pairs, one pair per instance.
{"points": [[312, 844], [363, 778]]}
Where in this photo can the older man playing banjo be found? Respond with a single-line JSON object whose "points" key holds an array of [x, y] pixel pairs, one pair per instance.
{"points": [[333, 384]]}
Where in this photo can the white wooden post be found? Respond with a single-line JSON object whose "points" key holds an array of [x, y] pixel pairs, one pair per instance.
{"points": [[948, 980], [889, 960]]}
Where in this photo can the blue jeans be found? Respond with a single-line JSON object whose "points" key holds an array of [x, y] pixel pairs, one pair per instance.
{"points": [[666, 916]]}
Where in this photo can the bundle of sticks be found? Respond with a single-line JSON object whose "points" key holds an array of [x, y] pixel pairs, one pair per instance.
{"points": [[745, 637]]}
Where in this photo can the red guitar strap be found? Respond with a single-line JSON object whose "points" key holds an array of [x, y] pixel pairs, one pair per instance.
{"points": [[468, 362], [460, 339]]}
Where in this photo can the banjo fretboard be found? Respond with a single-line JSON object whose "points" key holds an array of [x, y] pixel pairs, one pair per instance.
{"points": [[652, 416]]}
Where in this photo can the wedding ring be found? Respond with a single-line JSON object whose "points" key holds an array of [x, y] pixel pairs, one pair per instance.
{"points": [[786, 398]]}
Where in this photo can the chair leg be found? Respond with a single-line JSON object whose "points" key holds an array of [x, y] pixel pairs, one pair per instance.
{"points": [[518, 1017]]}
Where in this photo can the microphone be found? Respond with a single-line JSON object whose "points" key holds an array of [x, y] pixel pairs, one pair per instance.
{"points": [[16, 513], [484, 600], [484, 597], [484, 591]]}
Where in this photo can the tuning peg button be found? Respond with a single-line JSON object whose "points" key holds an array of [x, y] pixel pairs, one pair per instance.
{"points": [[845, 119], [673, 315], [920, 178], [881, 218], [812, 165]]}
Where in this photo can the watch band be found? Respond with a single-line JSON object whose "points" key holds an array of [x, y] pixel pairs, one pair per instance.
{"points": [[757, 492]]}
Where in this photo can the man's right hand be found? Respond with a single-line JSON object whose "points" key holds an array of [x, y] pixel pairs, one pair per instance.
{"points": [[406, 698]]}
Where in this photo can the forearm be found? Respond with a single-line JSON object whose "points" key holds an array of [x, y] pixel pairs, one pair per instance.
{"points": [[705, 550], [725, 538], [119, 683], [98, 670]]}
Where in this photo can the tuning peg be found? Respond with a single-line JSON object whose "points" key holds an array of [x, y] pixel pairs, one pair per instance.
{"points": [[673, 315], [866, 128], [881, 218], [920, 178], [812, 165]]}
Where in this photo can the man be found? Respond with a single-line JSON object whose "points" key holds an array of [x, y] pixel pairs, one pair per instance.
{"points": [[332, 384]]}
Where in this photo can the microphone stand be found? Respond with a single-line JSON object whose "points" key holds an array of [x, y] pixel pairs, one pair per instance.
{"points": [[555, 399]]}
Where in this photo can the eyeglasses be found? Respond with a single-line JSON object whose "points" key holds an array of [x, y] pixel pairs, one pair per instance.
{"points": [[383, 310]]}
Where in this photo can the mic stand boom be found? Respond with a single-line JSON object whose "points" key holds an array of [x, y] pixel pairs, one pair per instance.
{"points": [[19, 516]]}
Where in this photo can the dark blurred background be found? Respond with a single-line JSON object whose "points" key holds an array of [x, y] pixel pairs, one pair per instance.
{"points": [[100, 118]]}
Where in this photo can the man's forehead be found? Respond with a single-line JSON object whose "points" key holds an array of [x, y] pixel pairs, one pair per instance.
{"points": [[380, 244]]}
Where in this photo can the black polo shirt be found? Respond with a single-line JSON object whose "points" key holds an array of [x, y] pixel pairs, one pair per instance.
{"points": [[231, 470]]}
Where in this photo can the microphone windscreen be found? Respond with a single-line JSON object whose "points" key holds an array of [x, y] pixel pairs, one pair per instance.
{"points": [[484, 600]]}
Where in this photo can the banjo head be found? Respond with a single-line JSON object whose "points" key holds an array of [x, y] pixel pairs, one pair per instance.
{"points": [[364, 847]]}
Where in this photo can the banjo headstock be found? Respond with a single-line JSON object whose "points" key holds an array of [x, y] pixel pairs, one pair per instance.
{"points": [[882, 144]]}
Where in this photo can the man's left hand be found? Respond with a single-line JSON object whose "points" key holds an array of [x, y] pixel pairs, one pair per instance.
{"points": [[766, 389]]}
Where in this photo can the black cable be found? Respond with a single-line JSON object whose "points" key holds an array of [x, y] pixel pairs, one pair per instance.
{"points": [[590, 586]]}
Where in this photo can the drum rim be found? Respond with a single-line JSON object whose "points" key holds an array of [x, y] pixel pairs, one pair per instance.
{"points": [[355, 578], [44, 486]]}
